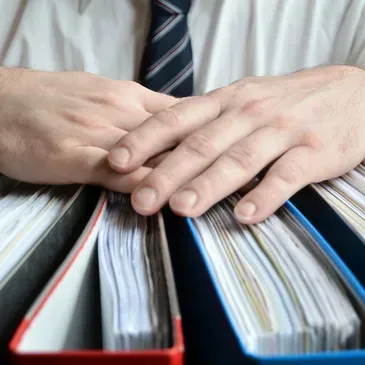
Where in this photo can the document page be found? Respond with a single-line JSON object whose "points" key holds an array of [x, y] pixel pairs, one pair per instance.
{"points": [[135, 311], [281, 292]]}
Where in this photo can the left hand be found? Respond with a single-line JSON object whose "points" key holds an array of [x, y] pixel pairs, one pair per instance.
{"points": [[58, 127], [307, 126]]}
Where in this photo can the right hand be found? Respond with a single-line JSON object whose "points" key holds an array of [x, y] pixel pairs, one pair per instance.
{"points": [[58, 127]]}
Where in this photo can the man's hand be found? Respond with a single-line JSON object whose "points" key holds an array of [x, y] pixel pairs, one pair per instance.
{"points": [[304, 127], [58, 128]]}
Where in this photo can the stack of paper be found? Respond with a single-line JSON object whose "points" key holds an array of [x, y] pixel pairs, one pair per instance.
{"points": [[26, 212], [281, 292], [346, 195], [135, 312]]}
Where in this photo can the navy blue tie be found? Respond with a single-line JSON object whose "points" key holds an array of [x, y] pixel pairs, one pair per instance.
{"points": [[168, 61]]}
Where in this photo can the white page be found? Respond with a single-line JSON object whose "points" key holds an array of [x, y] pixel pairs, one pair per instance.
{"points": [[344, 207], [138, 318], [303, 300], [346, 195], [27, 212]]}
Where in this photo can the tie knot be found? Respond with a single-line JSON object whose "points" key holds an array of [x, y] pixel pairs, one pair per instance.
{"points": [[171, 7]]}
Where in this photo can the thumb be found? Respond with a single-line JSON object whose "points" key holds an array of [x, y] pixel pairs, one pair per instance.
{"points": [[90, 165]]}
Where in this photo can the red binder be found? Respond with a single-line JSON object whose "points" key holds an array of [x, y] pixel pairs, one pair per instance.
{"points": [[62, 327]]}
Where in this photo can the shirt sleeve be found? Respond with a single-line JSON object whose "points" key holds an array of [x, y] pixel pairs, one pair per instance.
{"points": [[356, 40]]}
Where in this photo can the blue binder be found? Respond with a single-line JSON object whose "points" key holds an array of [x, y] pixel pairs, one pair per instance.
{"points": [[211, 337], [347, 244]]}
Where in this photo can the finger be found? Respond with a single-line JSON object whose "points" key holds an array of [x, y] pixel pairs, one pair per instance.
{"points": [[156, 160], [294, 170], [126, 120], [89, 165], [162, 131], [123, 183], [233, 169], [154, 102], [109, 109], [94, 128], [196, 153], [145, 103], [249, 186], [104, 138]]}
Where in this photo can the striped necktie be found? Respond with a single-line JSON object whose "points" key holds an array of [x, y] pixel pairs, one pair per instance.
{"points": [[168, 62]]}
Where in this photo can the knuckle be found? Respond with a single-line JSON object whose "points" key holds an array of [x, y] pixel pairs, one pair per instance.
{"points": [[310, 139], [217, 94], [170, 117], [212, 96], [258, 107], [249, 88], [198, 145], [282, 121], [241, 158], [220, 98], [134, 141]]}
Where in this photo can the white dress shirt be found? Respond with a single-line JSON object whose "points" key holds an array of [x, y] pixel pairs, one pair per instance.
{"points": [[231, 39]]}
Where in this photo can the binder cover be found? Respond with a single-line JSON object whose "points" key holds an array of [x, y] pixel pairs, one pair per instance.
{"points": [[347, 243], [21, 287], [210, 336], [63, 326]]}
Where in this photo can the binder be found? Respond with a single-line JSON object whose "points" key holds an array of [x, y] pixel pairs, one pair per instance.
{"points": [[210, 336], [20, 288], [343, 239], [63, 325]]}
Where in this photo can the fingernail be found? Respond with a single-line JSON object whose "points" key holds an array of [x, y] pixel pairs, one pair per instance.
{"points": [[245, 211], [184, 200], [146, 198], [120, 156]]}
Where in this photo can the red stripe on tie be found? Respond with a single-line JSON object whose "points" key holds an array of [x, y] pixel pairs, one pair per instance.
{"points": [[173, 84], [170, 53], [167, 7]]}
